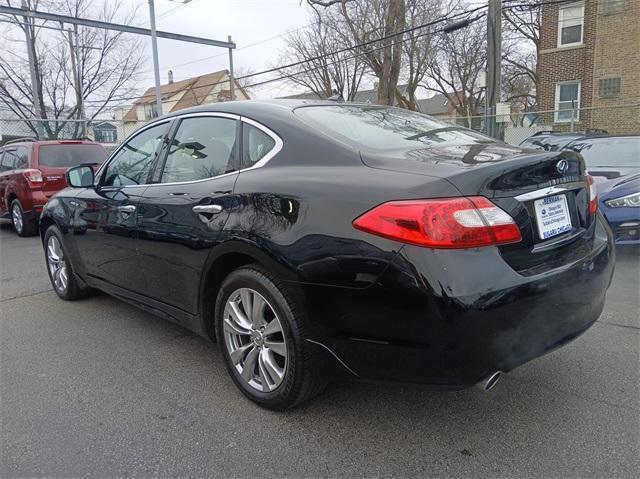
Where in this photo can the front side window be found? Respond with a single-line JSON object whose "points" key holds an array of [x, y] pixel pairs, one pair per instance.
{"points": [[133, 162], [567, 101], [570, 24], [255, 145], [203, 147]]}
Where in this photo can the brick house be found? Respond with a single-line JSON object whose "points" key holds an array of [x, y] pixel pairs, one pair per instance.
{"points": [[590, 61]]}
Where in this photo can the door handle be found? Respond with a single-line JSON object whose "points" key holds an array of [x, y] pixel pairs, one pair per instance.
{"points": [[206, 212], [127, 209]]}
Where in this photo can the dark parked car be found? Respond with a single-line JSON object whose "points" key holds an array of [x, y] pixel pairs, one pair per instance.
{"points": [[614, 161], [556, 140], [318, 241], [32, 171]]}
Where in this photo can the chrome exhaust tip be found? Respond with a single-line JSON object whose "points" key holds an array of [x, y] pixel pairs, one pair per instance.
{"points": [[490, 381]]}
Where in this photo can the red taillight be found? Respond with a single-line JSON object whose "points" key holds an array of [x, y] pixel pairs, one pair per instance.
{"points": [[465, 222], [34, 177], [593, 196]]}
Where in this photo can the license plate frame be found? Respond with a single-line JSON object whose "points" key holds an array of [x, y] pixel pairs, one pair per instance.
{"points": [[553, 217]]}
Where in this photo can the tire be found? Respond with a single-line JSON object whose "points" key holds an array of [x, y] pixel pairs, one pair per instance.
{"points": [[23, 226], [60, 271], [261, 354]]}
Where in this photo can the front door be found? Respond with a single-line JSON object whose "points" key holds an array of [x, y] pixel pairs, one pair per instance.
{"points": [[182, 214], [105, 220]]}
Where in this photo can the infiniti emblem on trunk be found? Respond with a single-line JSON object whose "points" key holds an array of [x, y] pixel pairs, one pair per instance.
{"points": [[562, 166]]}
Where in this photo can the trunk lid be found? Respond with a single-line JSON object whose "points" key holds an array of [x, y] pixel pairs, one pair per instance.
{"points": [[516, 180]]}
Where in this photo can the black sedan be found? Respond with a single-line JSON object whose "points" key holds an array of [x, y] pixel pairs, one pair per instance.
{"points": [[318, 241]]}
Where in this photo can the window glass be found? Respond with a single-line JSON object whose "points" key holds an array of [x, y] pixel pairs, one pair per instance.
{"points": [[133, 162], [65, 156], [609, 87], [8, 160], [255, 144], [567, 99], [22, 158], [570, 19], [621, 152], [202, 148], [386, 128]]}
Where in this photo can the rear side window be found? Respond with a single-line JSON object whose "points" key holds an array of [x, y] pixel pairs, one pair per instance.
{"points": [[64, 156], [621, 152], [8, 160], [386, 128], [255, 144], [22, 158], [203, 147]]}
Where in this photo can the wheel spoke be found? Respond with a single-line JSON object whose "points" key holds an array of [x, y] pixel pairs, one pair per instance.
{"points": [[246, 297], [273, 327], [266, 381], [232, 327], [257, 311], [63, 277], [240, 353], [275, 371], [52, 254], [249, 366], [277, 347]]}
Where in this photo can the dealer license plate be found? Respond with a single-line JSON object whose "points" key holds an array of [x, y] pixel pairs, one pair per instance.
{"points": [[552, 215]]}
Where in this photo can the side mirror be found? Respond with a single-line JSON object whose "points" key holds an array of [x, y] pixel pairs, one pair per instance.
{"points": [[80, 177]]}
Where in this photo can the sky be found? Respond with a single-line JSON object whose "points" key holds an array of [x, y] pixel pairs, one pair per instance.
{"points": [[247, 21]]}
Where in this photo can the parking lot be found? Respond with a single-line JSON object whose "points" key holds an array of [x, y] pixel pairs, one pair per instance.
{"points": [[99, 388]]}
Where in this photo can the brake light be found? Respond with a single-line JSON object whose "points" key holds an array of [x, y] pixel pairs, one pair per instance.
{"points": [[465, 222], [593, 196], [33, 177]]}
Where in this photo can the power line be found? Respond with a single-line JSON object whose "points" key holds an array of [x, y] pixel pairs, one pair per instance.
{"points": [[336, 52]]}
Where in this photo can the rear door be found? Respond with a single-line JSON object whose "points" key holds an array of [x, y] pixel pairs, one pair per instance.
{"points": [[183, 212], [105, 218]]}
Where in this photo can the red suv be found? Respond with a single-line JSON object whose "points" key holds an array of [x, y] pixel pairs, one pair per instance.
{"points": [[32, 171]]}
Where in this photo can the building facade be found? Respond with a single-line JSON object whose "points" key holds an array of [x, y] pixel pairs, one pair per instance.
{"points": [[589, 65]]}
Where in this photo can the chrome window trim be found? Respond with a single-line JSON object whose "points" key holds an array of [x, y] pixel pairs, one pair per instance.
{"points": [[273, 152]]}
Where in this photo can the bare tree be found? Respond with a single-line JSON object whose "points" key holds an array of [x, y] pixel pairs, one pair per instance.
{"points": [[521, 47], [455, 68], [107, 64], [323, 72], [371, 20]]}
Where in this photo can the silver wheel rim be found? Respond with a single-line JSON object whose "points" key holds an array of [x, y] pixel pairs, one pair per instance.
{"points": [[16, 215], [255, 340], [57, 264]]}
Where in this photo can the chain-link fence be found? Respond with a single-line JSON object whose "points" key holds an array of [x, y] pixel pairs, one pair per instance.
{"points": [[108, 131], [517, 127], [514, 128]]}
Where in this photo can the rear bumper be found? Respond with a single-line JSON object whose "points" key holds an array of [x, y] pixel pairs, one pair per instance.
{"points": [[449, 319]]}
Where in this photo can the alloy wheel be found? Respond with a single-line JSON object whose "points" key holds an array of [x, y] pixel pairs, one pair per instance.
{"points": [[57, 264], [255, 340], [16, 215]]}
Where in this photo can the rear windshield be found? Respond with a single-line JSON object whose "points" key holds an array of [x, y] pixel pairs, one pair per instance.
{"points": [[386, 128], [604, 152], [71, 155]]}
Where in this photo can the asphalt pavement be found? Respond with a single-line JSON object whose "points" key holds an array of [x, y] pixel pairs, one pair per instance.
{"points": [[98, 388]]}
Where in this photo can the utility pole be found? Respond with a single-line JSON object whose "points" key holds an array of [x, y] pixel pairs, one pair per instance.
{"points": [[156, 67], [232, 90], [77, 80], [35, 86], [494, 63]]}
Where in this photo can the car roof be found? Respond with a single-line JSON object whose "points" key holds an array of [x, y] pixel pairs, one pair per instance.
{"points": [[48, 142], [605, 137]]}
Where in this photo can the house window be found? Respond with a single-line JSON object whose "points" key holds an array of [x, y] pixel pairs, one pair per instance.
{"points": [[570, 25], [567, 101], [150, 111], [611, 7], [609, 87]]}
